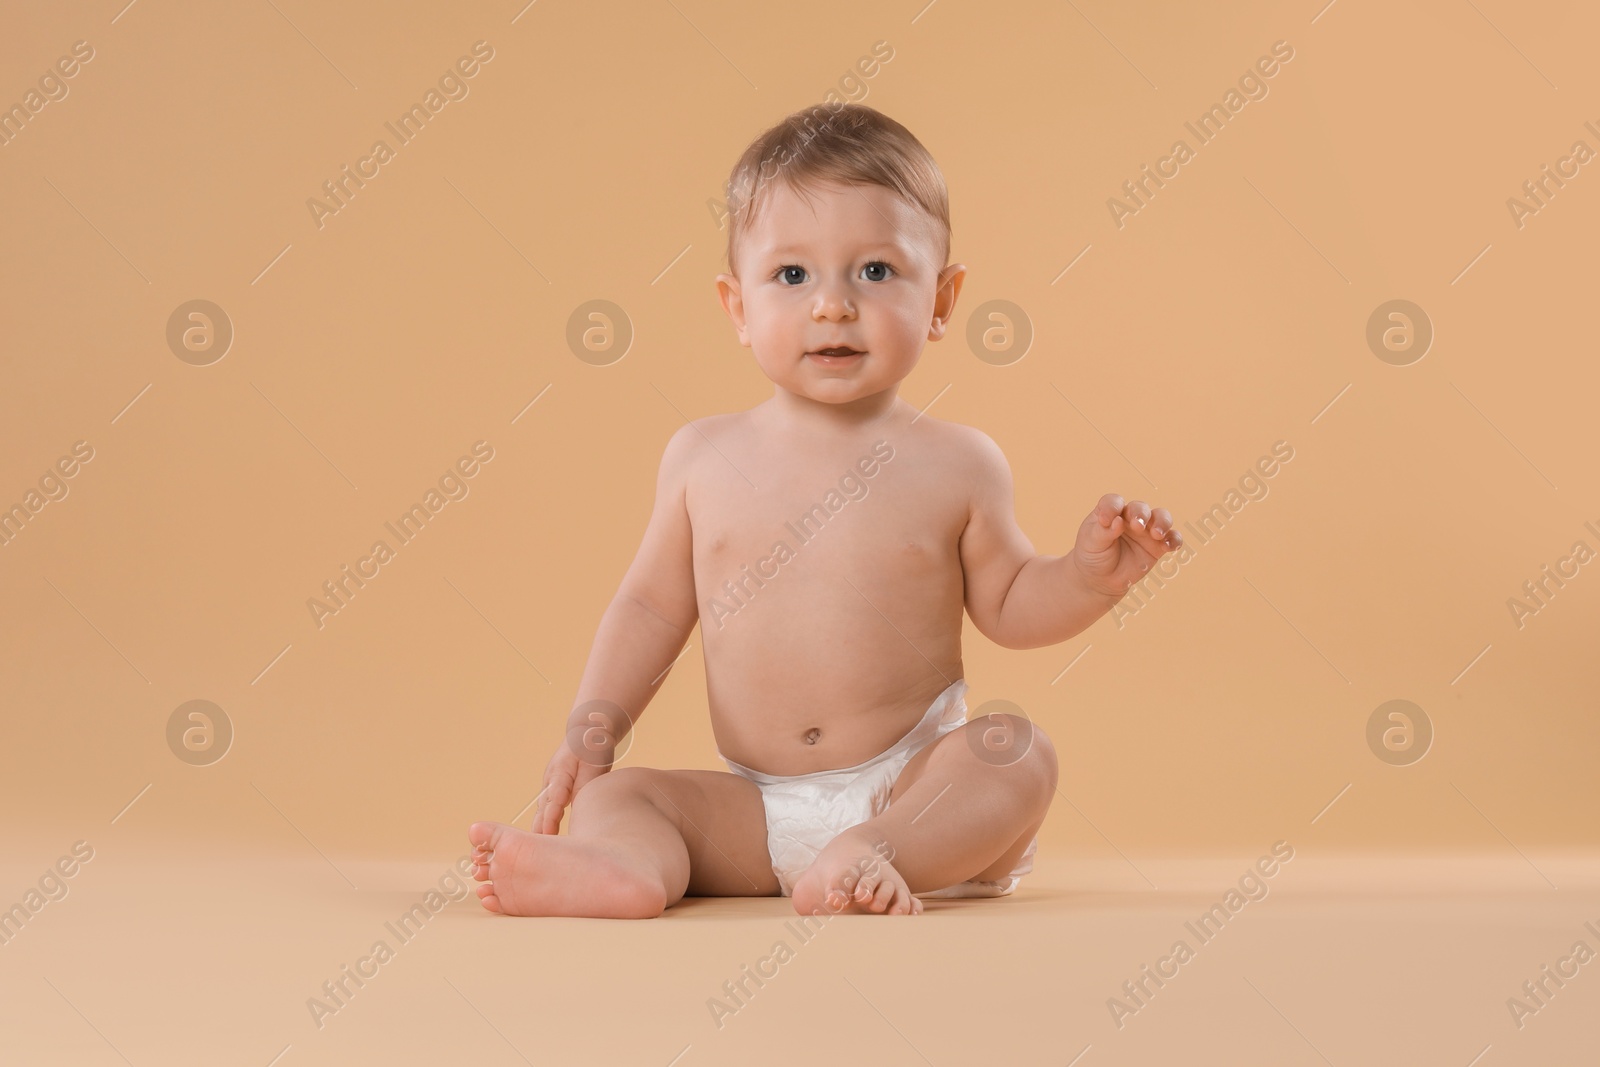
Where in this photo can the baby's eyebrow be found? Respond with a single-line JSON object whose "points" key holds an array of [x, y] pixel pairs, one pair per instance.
{"points": [[881, 247]]}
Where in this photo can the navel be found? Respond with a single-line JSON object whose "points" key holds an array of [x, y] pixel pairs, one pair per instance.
{"points": [[812, 735]]}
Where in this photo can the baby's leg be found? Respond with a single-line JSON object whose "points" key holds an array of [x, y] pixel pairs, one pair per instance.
{"points": [[964, 807], [638, 840]]}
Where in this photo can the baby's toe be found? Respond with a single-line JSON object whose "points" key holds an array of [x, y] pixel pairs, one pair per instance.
{"points": [[865, 887], [841, 889], [905, 904], [886, 895], [488, 899]]}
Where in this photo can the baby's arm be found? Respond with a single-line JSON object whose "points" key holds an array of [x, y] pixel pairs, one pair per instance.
{"points": [[641, 633], [1020, 599], [654, 609]]}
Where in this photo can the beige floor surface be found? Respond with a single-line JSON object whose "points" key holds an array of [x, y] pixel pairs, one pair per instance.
{"points": [[158, 957]]}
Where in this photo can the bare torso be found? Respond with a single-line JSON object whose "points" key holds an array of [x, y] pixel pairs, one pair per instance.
{"points": [[830, 600]]}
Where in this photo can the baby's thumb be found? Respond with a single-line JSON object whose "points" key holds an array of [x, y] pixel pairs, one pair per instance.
{"points": [[547, 814], [1098, 538]]}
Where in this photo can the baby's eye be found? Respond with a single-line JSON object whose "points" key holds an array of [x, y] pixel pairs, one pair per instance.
{"points": [[879, 263], [783, 272]]}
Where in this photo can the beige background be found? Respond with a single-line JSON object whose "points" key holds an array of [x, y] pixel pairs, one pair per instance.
{"points": [[370, 354]]}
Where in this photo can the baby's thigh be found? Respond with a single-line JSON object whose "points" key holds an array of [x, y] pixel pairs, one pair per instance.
{"points": [[723, 822]]}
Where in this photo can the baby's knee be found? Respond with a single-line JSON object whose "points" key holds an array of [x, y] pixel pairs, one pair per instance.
{"points": [[619, 782], [632, 779], [1002, 739], [1043, 751]]}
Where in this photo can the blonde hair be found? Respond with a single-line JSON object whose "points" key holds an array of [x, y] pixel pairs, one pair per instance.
{"points": [[844, 143]]}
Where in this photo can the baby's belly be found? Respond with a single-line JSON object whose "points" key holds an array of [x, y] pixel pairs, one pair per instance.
{"points": [[832, 669]]}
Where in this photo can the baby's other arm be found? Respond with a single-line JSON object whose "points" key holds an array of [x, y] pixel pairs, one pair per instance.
{"points": [[654, 609], [1020, 599]]}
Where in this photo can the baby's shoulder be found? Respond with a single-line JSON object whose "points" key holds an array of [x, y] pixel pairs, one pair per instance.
{"points": [[697, 438], [958, 445]]}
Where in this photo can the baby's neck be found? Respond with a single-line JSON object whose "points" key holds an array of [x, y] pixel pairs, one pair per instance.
{"points": [[800, 414]]}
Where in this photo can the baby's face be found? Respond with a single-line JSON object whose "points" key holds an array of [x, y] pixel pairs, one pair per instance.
{"points": [[855, 266]]}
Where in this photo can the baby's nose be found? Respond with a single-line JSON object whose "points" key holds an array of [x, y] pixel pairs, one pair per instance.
{"points": [[833, 306]]}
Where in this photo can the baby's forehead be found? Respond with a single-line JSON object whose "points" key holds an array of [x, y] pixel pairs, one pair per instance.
{"points": [[836, 214], [818, 195]]}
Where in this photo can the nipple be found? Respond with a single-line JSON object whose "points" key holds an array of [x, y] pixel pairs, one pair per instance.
{"points": [[812, 735]]}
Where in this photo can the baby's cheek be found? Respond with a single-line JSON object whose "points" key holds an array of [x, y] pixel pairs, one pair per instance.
{"points": [[778, 339], [912, 324]]}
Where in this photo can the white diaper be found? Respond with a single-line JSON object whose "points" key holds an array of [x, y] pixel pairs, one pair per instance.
{"points": [[806, 811]]}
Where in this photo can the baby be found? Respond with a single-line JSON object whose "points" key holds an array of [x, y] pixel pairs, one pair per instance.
{"points": [[826, 541]]}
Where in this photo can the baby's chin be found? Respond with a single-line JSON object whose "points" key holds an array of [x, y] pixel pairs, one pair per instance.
{"points": [[801, 375], [839, 392]]}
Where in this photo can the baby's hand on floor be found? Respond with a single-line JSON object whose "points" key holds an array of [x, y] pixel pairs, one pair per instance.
{"points": [[1117, 543]]}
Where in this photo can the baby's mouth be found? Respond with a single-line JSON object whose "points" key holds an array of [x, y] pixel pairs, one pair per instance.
{"points": [[841, 352]]}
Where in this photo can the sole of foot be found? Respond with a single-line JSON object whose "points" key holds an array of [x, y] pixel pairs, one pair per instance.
{"points": [[547, 874]]}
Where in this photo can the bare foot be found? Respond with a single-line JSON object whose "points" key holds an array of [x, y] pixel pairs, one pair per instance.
{"points": [[853, 874], [545, 874]]}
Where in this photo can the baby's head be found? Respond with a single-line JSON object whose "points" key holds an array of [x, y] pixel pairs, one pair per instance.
{"points": [[838, 235]]}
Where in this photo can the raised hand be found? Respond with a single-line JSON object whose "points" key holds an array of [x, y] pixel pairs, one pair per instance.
{"points": [[1118, 542]]}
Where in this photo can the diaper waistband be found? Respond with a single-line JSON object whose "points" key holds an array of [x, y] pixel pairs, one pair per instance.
{"points": [[948, 706]]}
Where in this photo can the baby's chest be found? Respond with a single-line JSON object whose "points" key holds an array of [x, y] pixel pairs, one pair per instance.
{"points": [[832, 531]]}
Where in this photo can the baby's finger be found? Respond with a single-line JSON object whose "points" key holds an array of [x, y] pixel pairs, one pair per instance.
{"points": [[548, 819], [553, 800], [1108, 508], [1104, 524], [1164, 535], [1137, 516], [1160, 523]]}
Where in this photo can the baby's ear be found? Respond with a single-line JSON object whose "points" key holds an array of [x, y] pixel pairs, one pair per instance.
{"points": [[944, 299], [732, 298]]}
